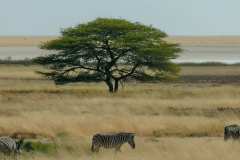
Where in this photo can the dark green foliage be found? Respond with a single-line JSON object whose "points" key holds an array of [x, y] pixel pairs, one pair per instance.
{"points": [[28, 147], [110, 50], [45, 148]]}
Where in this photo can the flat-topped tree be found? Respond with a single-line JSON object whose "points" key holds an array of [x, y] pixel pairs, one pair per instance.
{"points": [[109, 50]]}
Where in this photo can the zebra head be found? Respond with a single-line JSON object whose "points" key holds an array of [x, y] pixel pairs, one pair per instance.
{"points": [[131, 141], [19, 143]]}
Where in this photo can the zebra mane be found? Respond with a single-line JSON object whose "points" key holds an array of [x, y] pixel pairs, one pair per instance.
{"points": [[113, 133], [128, 133]]}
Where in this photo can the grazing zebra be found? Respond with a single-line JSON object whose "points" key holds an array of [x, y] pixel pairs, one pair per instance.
{"points": [[8, 146], [232, 131], [112, 141]]}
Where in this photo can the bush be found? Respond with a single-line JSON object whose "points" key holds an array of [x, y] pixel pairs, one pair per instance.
{"points": [[45, 148]]}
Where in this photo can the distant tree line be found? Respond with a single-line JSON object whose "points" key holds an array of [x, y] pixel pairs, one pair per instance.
{"points": [[9, 60]]}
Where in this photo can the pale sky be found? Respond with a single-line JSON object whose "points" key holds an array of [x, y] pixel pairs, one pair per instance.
{"points": [[176, 17]]}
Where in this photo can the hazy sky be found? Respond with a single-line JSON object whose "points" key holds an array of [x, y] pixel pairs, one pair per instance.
{"points": [[176, 17]]}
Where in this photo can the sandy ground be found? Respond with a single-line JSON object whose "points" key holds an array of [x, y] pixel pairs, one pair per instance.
{"points": [[183, 40], [23, 41], [205, 40]]}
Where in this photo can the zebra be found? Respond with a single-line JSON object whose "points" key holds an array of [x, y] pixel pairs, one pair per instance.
{"points": [[9, 146], [232, 131], [112, 141]]}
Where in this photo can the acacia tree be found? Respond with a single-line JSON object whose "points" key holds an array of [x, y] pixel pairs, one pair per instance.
{"points": [[109, 50]]}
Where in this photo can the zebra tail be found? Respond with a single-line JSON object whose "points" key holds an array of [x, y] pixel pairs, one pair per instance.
{"points": [[92, 148], [225, 134]]}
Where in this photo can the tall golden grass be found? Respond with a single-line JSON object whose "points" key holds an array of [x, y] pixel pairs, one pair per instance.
{"points": [[154, 149], [171, 121]]}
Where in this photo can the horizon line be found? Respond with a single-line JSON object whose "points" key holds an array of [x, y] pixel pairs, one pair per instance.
{"points": [[224, 35]]}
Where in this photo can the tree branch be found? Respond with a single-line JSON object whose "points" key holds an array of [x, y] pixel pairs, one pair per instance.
{"points": [[82, 67], [127, 73], [108, 49]]}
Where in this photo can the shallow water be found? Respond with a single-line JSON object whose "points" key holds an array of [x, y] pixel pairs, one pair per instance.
{"points": [[197, 54], [224, 54]]}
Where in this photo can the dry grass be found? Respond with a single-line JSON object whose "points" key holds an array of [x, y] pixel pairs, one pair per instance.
{"points": [[172, 121], [23, 41], [210, 70], [183, 40], [211, 74], [157, 148], [14, 72]]}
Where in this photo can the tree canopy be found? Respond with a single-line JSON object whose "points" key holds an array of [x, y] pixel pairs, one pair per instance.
{"points": [[109, 50]]}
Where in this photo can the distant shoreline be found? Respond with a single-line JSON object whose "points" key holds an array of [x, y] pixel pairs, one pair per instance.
{"points": [[205, 40], [25, 41]]}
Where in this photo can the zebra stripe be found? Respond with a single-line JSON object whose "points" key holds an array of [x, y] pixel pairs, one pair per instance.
{"points": [[10, 146], [112, 141], [232, 131]]}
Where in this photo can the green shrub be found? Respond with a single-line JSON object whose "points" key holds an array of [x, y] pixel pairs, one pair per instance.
{"points": [[45, 148]]}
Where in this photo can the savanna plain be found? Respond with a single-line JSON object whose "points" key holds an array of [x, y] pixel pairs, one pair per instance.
{"points": [[179, 120]]}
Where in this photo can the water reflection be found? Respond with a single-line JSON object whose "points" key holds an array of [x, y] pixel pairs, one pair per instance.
{"points": [[224, 54]]}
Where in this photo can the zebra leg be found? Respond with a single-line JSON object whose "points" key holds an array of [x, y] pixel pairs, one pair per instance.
{"points": [[92, 148], [95, 148], [118, 148], [226, 134]]}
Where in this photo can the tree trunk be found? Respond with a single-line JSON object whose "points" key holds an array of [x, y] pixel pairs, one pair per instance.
{"points": [[116, 85], [109, 84]]}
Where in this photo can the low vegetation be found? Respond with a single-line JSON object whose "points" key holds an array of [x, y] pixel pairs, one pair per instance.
{"points": [[186, 119]]}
